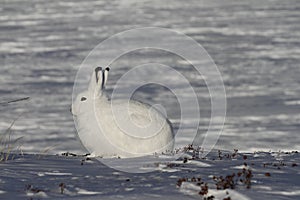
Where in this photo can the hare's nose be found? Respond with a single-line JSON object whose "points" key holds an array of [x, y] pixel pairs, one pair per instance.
{"points": [[72, 110]]}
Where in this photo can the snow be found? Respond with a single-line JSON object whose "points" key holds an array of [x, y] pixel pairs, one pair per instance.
{"points": [[80, 177], [255, 45]]}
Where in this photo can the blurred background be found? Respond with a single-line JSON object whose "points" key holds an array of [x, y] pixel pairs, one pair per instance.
{"points": [[255, 44]]}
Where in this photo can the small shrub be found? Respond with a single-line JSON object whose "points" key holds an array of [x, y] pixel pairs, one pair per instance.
{"points": [[62, 187], [8, 145]]}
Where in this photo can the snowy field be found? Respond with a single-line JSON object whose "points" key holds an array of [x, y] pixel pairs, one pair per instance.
{"points": [[220, 175], [255, 45]]}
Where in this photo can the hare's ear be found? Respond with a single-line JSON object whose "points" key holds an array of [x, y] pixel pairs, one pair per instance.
{"points": [[95, 79], [105, 75]]}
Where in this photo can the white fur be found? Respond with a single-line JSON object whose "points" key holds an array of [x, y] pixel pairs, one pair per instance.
{"points": [[147, 130]]}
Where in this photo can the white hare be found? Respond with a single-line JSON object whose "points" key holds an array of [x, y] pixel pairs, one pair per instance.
{"points": [[125, 129]]}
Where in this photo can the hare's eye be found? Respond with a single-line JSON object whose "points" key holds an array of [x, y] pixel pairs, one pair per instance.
{"points": [[83, 98]]}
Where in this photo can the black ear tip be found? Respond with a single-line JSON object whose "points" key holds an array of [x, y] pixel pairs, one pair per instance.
{"points": [[97, 69], [107, 68]]}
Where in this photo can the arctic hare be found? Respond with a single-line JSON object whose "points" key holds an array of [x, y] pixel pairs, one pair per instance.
{"points": [[146, 130]]}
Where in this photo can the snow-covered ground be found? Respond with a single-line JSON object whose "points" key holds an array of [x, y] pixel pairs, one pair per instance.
{"points": [[258, 175]]}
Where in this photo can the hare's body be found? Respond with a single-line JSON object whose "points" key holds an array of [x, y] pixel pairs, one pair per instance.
{"points": [[125, 129]]}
